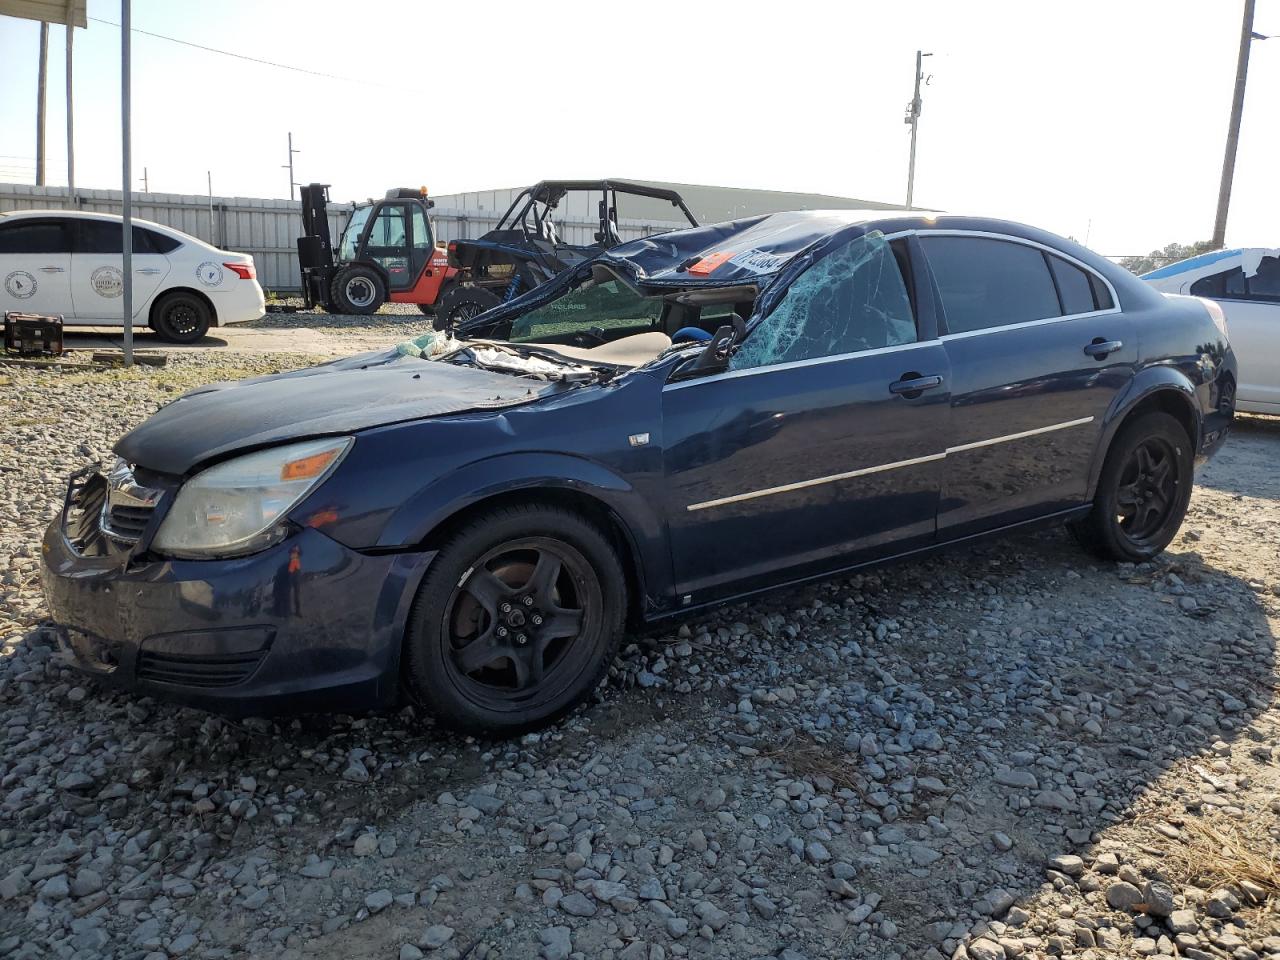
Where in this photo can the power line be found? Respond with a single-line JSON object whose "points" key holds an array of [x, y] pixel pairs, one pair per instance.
{"points": [[239, 56]]}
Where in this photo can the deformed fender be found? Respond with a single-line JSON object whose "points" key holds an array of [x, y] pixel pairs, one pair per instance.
{"points": [[435, 503], [1148, 382]]}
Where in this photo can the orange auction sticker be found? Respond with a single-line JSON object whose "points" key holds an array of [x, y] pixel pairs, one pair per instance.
{"points": [[711, 261]]}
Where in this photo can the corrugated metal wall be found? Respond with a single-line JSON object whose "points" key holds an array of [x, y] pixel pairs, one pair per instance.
{"points": [[268, 229]]}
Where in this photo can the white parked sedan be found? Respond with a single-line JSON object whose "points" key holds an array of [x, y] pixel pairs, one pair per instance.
{"points": [[69, 263], [1246, 284]]}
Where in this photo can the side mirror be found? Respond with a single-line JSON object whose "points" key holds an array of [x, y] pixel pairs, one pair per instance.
{"points": [[715, 356]]}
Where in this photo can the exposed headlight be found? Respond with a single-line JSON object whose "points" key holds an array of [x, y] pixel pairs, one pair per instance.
{"points": [[238, 507]]}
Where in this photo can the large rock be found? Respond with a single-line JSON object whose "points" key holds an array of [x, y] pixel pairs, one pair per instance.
{"points": [[1123, 896]]}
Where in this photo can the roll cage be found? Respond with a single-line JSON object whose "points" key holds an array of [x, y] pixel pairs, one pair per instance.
{"points": [[525, 246]]}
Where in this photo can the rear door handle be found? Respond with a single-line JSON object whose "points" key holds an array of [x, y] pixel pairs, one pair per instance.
{"points": [[53, 270], [147, 270], [912, 385], [1101, 348]]}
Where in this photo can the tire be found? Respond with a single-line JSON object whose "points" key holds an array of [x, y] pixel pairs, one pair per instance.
{"points": [[358, 290], [1143, 491], [427, 309], [463, 301], [181, 317], [543, 655]]}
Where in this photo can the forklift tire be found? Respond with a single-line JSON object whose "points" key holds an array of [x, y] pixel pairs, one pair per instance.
{"points": [[462, 302], [358, 290]]}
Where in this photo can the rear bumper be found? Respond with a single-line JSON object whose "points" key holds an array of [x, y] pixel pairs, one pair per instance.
{"points": [[308, 625], [240, 302]]}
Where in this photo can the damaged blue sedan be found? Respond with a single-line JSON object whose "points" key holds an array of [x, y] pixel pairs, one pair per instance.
{"points": [[473, 519]]}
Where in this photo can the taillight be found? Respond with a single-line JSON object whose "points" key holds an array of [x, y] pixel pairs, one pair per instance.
{"points": [[244, 271], [1215, 314]]}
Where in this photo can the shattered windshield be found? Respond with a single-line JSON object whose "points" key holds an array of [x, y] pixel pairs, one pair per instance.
{"points": [[853, 299], [602, 310]]}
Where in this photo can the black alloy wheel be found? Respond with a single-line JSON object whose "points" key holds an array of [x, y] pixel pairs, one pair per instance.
{"points": [[1148, 488], [516, 617], [1143, 490], [516, 620]]}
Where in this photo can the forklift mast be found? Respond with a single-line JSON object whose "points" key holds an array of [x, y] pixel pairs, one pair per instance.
{"points": [[315, 246]]}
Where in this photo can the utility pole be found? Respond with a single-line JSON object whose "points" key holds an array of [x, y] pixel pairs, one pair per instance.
{"points": [[146, 184], [41, 84], [213, 238], [913, 118], [1233, 128], [71, 123], [289, 166], [126, 162]]}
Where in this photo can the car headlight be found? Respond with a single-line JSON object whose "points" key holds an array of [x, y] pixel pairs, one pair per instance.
{"points": [[238, 507]]}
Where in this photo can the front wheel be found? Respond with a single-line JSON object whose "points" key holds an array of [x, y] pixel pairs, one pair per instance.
{"points": [[516, 621], [1143, 491], [358, 290]]}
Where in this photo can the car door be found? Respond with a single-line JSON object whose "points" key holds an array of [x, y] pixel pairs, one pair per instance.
{"points": [[823, 439], [35, 266], [97, 269], [1038, 350], [387, 244]]}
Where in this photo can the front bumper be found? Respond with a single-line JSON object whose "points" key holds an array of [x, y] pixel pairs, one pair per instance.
{"points": [[307, 625]]}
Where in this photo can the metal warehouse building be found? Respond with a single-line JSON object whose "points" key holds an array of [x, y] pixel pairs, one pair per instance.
{"points": [[471, 214]]}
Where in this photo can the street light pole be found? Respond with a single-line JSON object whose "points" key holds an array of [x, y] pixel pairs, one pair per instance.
{"points": [[1233, 128], [913, 118]]}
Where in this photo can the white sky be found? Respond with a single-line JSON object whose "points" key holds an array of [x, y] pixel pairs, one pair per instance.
{"points": [[1097, 118]]}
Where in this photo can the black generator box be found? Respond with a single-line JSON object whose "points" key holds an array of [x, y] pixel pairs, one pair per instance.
{"points": [[32, 335]]}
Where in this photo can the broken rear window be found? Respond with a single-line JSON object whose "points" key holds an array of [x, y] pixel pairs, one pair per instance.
{"points": [[853, 299]]}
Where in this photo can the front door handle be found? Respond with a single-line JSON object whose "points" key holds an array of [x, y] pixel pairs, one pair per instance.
{"points": [[149, 271], [1101, 348], [913, 384], [52, 270]]}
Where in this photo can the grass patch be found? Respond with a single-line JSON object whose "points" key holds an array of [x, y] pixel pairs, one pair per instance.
{"points": [[807, 759], [1219, 851]]}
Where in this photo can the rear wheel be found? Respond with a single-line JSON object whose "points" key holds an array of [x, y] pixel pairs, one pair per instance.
{"points": [[516, 621], [1143, 491], [181, 317], [463, 301], [358, 290]]}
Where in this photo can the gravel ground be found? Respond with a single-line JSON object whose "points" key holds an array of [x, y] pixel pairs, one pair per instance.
{"points": [[1008, 751], [390, 317]]}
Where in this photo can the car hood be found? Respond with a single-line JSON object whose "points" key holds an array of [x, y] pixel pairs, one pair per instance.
{"points": [[355, 393]]}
